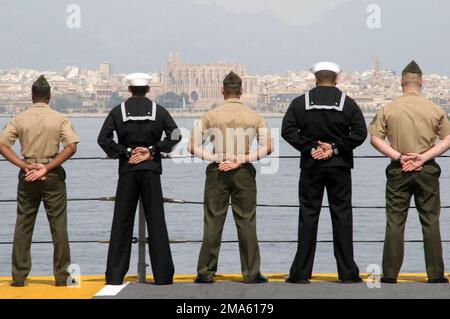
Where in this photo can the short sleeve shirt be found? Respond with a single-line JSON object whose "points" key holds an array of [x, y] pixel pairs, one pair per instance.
{"points": [[411, 123], [231, 128], [40, 131]]}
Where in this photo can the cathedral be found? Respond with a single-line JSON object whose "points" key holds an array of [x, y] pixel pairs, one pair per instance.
{"points": [[203, 82]]}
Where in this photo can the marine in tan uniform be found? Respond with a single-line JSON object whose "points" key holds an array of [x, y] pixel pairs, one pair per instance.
{"points": [[231, 128], [412, 125], [40, 131]]}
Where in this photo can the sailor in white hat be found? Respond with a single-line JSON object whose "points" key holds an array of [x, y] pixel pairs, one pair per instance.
{"points": [[138, 79], [139, 124], [326, 66], [325, 125]]}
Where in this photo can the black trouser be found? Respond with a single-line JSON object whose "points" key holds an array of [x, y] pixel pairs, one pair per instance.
{"points": [[338, 182], [130, 187]]}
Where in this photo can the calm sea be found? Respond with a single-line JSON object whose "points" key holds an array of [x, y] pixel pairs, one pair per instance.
{"points": [[92, 220]]}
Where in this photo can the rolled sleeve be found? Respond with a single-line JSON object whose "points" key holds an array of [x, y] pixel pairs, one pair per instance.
{"points": [[263, 133], [444, 126], [378, 126], [68, 133], [9, 134], [198, 135]]}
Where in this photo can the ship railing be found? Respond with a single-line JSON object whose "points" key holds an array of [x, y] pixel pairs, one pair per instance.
{"points": [[142, 239]]}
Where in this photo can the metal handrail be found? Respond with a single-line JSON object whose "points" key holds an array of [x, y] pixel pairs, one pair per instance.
{"points": [[142, 239], [199, 241], [187, 202], [168, 156]]}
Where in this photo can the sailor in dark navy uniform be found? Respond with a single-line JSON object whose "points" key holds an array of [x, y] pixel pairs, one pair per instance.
{"points": [[325, 125], [139, 124]]}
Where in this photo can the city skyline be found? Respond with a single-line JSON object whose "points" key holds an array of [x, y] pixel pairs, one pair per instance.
{"points": [[195, 88], [173, 52]]}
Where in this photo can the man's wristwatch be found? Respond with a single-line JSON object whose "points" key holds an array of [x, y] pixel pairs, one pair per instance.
{"points": [[335, 149], [129, 150], [152, 150], [399, 159]]}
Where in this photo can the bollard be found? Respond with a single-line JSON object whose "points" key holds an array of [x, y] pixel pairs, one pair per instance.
{"points": [[142, 265]]}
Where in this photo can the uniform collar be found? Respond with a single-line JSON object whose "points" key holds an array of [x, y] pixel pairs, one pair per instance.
{"points": [[326, 86], [138, 98], [233, 100], [412, 93], [39, 105]]}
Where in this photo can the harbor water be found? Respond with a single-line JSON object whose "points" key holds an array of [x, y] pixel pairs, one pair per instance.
{"points": [[91, 220]]}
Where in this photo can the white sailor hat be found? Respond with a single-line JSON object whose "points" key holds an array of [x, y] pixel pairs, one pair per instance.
{"points": [[328, 66], [138, 79]]}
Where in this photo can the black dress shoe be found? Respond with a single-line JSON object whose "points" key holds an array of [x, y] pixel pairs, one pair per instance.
{"points": [[260, 279], [18, 284], [163, 283], [61, 284], [352, 281], [204, 279], [442, 280], [114, 283], [387, 280], [297, 281]]}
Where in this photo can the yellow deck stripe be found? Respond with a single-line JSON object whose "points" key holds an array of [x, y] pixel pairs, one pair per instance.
{"points": [[44, 288]]}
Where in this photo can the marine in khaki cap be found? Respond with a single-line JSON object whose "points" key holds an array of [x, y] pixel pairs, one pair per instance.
{"points": [[231, 128], [40, 131], [412, 125]]}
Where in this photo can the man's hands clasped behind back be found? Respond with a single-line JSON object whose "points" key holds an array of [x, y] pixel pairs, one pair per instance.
{"points": [[228, 162], [410, 162], [35, 172], [139, 155], [323, 152]]}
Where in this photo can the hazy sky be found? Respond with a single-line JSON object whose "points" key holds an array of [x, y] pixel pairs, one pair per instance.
{"points": [[267, 36], [292, 12]]}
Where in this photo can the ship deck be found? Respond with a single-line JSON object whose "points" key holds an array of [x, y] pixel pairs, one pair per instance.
{"points": [[323, 286]]}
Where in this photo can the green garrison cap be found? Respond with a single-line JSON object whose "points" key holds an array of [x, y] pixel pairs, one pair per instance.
{"points": [[41, 83], [412, 67], [232, 80]]}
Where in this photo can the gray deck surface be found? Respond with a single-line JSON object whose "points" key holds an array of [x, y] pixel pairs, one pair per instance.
{"points": [[279, 290]]}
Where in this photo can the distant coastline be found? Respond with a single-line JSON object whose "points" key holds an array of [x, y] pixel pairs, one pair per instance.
{"points": [[174, 115]]}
